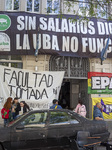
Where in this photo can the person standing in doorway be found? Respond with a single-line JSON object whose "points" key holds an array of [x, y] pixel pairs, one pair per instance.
{"points": [[97, 113], [80, 108], [55, 105]]}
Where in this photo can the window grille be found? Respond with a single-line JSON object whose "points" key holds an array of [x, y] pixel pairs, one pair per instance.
{"points": [[73, 67], [33, 5], [53, 6]]}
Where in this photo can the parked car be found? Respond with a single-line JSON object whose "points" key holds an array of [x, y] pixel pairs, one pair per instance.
{"points": [[50, 129]]}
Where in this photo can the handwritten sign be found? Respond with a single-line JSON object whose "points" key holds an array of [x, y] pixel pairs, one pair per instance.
{"points": [[38, 88]]}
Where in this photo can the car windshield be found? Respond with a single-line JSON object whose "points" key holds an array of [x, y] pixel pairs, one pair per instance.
{"points": [[16, 120]]}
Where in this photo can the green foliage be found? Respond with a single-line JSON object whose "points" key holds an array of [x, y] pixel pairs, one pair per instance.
{"points": [[85, 8]]}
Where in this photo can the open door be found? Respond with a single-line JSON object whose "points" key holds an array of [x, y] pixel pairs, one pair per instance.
{"points": [[64, 97]]}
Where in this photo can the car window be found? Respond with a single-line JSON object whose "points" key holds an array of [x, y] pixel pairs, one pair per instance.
{"points": [[61, 118], [73, 120], [17, 119], [35, 120]]}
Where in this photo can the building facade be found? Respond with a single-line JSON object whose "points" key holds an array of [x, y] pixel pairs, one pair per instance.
{"points": [[75, 83]]}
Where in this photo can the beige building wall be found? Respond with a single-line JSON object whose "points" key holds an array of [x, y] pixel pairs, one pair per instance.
{"points": [[22, 5], [39, 63], [95, 65], [69, 10], [43, 7], [2, 5]]}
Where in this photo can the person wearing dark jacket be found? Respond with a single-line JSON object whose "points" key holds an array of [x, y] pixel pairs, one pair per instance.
{"points": [[24, 107], [15, 108], [55, 105], [97, 113]]}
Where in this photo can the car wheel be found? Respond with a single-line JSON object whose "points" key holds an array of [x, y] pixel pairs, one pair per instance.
{"points": [[1, 148]]}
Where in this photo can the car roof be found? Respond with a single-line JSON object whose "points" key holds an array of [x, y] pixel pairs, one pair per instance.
{"points": [[39, 110], [56, 110]]}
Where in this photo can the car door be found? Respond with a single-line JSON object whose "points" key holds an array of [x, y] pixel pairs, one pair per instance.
{"points": [[69, 125], [58, 128], [63, 126], [30, 133], [52, 130]]}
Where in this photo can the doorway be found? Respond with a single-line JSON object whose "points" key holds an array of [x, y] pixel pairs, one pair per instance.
{"points": [[64, 96], [71, 91], [74, 85]]}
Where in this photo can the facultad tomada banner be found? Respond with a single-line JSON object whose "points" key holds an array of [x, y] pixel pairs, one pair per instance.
{"points": [[38, 89], [99, 83]]}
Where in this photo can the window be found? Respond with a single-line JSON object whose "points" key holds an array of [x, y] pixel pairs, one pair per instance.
{"points": [[73, 120], [73, 67], [70, 7], [35, 120], [11, 4], [33, 5], [60, 118], [101, 9], [53, 6], [83, 8], [11, 61]]}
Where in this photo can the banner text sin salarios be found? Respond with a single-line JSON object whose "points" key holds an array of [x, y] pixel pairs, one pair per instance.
{"points": [[60, 36]]}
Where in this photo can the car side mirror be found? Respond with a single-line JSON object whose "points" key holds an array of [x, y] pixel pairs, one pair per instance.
{"points": [[20, 127]]}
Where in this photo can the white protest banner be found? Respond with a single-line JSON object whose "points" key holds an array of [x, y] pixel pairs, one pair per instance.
{"points": [[38, 89]]}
